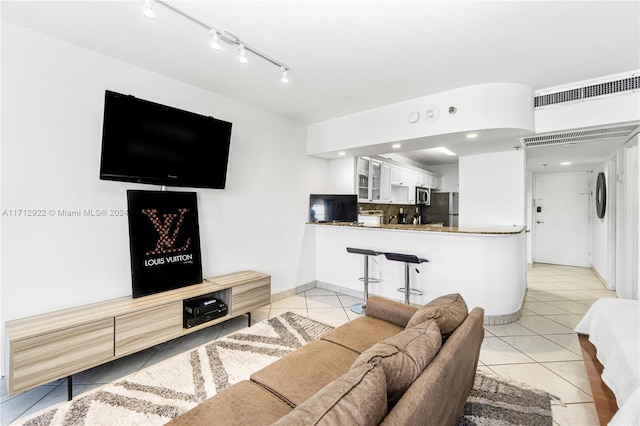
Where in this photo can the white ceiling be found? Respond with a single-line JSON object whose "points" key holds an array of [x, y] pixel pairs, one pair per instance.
{"points": [[349, 56]]}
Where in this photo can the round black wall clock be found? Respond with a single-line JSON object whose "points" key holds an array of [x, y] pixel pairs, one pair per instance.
{"points": [[601, 195]]}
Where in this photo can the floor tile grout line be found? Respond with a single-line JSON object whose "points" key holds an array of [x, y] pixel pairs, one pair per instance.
{"points": [[542, 364]]}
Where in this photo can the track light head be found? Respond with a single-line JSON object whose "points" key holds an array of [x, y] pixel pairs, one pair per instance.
{"points": [[147, 10], [284, 78], [243, 53], [215, 40]]}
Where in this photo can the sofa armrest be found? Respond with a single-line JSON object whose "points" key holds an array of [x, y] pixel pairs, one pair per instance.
{"points": [[390, 311]]}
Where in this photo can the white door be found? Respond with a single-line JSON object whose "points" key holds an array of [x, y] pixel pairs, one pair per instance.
{"points": [[561, 219]]}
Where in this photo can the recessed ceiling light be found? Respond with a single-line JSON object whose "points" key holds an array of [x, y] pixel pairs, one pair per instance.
{"points": [[243, 53], [147, 9], [446, 151], [565, 163], [342, 153], [396, 145], [472, 135]]}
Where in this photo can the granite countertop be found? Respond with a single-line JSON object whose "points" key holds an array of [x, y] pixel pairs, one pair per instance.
{"points": [[491, 230]]}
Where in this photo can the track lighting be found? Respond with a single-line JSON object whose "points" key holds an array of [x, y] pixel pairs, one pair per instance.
{"points": [[215, 40], [217, 36], [147, 9], [243, 53]]}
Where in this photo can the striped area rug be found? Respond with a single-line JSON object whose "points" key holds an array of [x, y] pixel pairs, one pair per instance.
{"points": [[496, 401]]}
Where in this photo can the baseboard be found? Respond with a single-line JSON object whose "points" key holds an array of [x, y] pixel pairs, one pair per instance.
{"points": [[292, 291], [599, 277], [342, 290]]}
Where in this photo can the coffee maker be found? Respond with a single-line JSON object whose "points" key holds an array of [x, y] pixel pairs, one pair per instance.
{"points": [[402, 216]]}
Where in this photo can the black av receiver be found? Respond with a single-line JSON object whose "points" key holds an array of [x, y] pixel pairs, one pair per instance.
{"points": [[201, 309]]}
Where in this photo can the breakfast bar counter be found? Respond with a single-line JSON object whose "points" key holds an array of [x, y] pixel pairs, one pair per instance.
{"points": [[486, 265], [496, 229]]}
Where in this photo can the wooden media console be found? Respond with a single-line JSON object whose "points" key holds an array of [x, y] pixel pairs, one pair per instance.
{"points": [[55, 345]]}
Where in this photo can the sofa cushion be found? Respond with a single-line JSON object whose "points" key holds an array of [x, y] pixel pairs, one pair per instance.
{"points": [[449, 311], [245, 402], [300, 374], [359, 397], [362, 333], [389, 310], [404, 356]]}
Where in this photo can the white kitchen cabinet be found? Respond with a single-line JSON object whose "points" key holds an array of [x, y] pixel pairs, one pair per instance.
{"points": [[379, 181], [385, 184], [372, 180], [362, 178], [437, 182]]}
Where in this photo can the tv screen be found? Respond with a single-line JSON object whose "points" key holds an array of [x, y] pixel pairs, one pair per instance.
{"points": [[164, 240], [333, 208], [146, 142]]}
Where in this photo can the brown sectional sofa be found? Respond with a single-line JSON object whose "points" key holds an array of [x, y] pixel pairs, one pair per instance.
{"points": [[368, 371]]}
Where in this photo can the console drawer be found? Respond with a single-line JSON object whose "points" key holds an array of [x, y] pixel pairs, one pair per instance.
{"points": [[148, 327], [41, 359], [250, 296]]}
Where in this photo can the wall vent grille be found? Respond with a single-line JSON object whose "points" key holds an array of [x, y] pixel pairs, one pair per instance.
{"points": [[580, 136], [590, 91]]}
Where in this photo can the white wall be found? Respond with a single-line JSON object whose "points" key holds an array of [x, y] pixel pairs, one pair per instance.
{"points": [[450, 176], [492, 189], [52, 106], [342, 176]]}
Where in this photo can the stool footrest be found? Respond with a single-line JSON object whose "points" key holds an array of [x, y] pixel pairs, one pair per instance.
{"points": [[413, 291], [371, 280], [358, 308]]}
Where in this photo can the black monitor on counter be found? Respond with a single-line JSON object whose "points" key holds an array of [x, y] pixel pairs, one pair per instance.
{"points": [[333, 208]]}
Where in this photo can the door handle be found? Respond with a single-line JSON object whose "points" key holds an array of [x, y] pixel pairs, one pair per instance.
{"points": [[537, 221]]}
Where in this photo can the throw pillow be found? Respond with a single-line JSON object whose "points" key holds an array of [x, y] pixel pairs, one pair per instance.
{"points": [[404, 356], [358, 397], [448, 311]]}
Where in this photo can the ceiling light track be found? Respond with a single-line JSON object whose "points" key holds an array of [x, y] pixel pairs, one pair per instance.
{"points": [[218, 35]]}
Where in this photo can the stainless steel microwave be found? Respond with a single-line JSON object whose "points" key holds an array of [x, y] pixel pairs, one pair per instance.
{"points": [[423, 196]]}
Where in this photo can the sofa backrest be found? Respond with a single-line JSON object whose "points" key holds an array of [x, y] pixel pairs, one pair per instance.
{"points": [[438, 396]]}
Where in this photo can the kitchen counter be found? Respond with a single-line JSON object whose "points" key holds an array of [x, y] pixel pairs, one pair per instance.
{"points": [[487, 265], [497, 229]]}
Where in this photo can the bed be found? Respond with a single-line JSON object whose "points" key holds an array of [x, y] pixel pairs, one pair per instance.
{"points": [[612, 326]]}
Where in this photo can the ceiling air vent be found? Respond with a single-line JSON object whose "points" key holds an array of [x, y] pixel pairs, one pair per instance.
{"points": [[587, 92], [579, 136]]}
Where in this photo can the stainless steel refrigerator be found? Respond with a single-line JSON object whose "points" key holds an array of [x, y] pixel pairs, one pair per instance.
{"points": [[443, 209]]}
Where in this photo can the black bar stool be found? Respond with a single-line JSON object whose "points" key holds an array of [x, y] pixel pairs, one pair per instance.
{"points": [[407, 259], [359, 308]]}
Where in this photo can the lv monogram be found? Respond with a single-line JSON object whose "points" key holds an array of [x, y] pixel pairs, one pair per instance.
{"points": [[166, 242]]}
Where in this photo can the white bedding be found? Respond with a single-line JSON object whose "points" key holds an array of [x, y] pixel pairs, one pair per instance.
{"points": [[613, 326]]}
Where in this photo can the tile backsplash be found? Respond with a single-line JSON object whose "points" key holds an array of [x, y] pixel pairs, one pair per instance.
{"points": [[392, 211]]}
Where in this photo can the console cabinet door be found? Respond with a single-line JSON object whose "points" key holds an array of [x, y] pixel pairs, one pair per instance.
{"points": [[148, 327], [250, 296], [42, 359]]}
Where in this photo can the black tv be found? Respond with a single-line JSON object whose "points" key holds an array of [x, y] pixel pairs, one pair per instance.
{"points": [[333, 208], [164, 241], [146, 142]]}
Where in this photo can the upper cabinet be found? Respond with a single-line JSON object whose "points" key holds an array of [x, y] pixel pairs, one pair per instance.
{"points": [[378, 181], [372, 181]]}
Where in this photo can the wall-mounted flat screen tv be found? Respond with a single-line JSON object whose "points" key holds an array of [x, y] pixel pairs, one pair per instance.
{"points": [[145, 142], [333, 208]]}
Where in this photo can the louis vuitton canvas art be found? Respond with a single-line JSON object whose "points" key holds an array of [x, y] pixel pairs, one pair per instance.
{"points": [[164, 240]]}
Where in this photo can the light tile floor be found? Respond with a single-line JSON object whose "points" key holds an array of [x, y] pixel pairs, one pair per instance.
{"points": [[540, 349]]}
